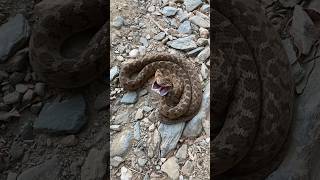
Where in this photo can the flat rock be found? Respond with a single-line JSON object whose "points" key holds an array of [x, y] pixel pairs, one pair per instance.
{"points": [[49, 170], [160, 36], [126, 174], [94, 167], [185, 43], [204, 54], [130, 97], [169, 11], [67, 116], [170, 135], [121, 143], [118, 22], [171, 168], [185, 28], [200, 21], [114, 72], [14, 35], [192, 4]]}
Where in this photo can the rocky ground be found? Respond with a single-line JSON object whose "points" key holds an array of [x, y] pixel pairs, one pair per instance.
{"points": [[142, 148], [45, 132]]}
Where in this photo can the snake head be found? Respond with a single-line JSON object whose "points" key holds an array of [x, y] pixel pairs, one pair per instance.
{"points": [[162, 83]]}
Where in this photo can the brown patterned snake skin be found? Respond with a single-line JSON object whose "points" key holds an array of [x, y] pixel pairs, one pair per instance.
{"points": [[252, 91], [57, 23], [190, 99]]}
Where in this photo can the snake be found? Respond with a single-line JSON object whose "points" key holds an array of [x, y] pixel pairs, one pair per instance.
{"points": [[183, 88], [252, 91], [69, 42]]}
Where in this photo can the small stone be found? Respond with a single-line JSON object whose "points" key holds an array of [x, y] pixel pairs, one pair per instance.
{"points": [[185, 43], [205, 8], [142, 50], [126, 174], [195, 52], [129, 98], [121, 118], [35, 108], [171, 168], [204, 71], [27, 97], [118, 22], [152, 127], [182, 152], [21, 88], [143, 92], [185, 28], [16, 151], [139, 114], [169, 11], [115, 127], [142, 162], [12, 98], [119, 58], [192, 4], [116, 161], [187, 168], [133, 53], [19, 62], [136, 131], [144, 41], [204, 33], [147, 108], [151, 9], [201, 22], [160, 36], [70, 140], [182, 15], [94, 166], [114, 71], [204, 55]]}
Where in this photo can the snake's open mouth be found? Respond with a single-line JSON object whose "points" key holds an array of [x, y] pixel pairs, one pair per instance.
{"points": [[162, 90]]}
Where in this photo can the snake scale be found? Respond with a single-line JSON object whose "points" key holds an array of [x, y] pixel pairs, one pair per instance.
{"points": [[251, 91], [186, 76]]}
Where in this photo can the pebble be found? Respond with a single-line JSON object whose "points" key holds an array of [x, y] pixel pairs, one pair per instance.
{"points": [[121, 143], [142, 50], [21, 88], [118, 22], [116, 161], [114, 72], [121, 118], [147, 108], [202, 42], [27, 97], [201, 22], [204, 33], [160, 36], [182, 15], [134, 53], [185, 43], [204, 71], [126, 174], [182, 152], [137, 131], [119, 58], [185, 28], [130, 97], [139, 114], [40, 88], [205, 8], [187, 168], [12, 98], [169, 11], [142, 162], [151, 128], [115, 127], [195, 52], [144, 41], [151, 9], [204, 55], [171, 168], [192, 4]]}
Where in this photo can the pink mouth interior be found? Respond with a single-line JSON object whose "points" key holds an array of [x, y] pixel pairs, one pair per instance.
{"points": [[162, 90]]}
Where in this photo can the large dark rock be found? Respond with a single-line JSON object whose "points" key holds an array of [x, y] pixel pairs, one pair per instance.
{"points": [[66, 117], [14, 35]]}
